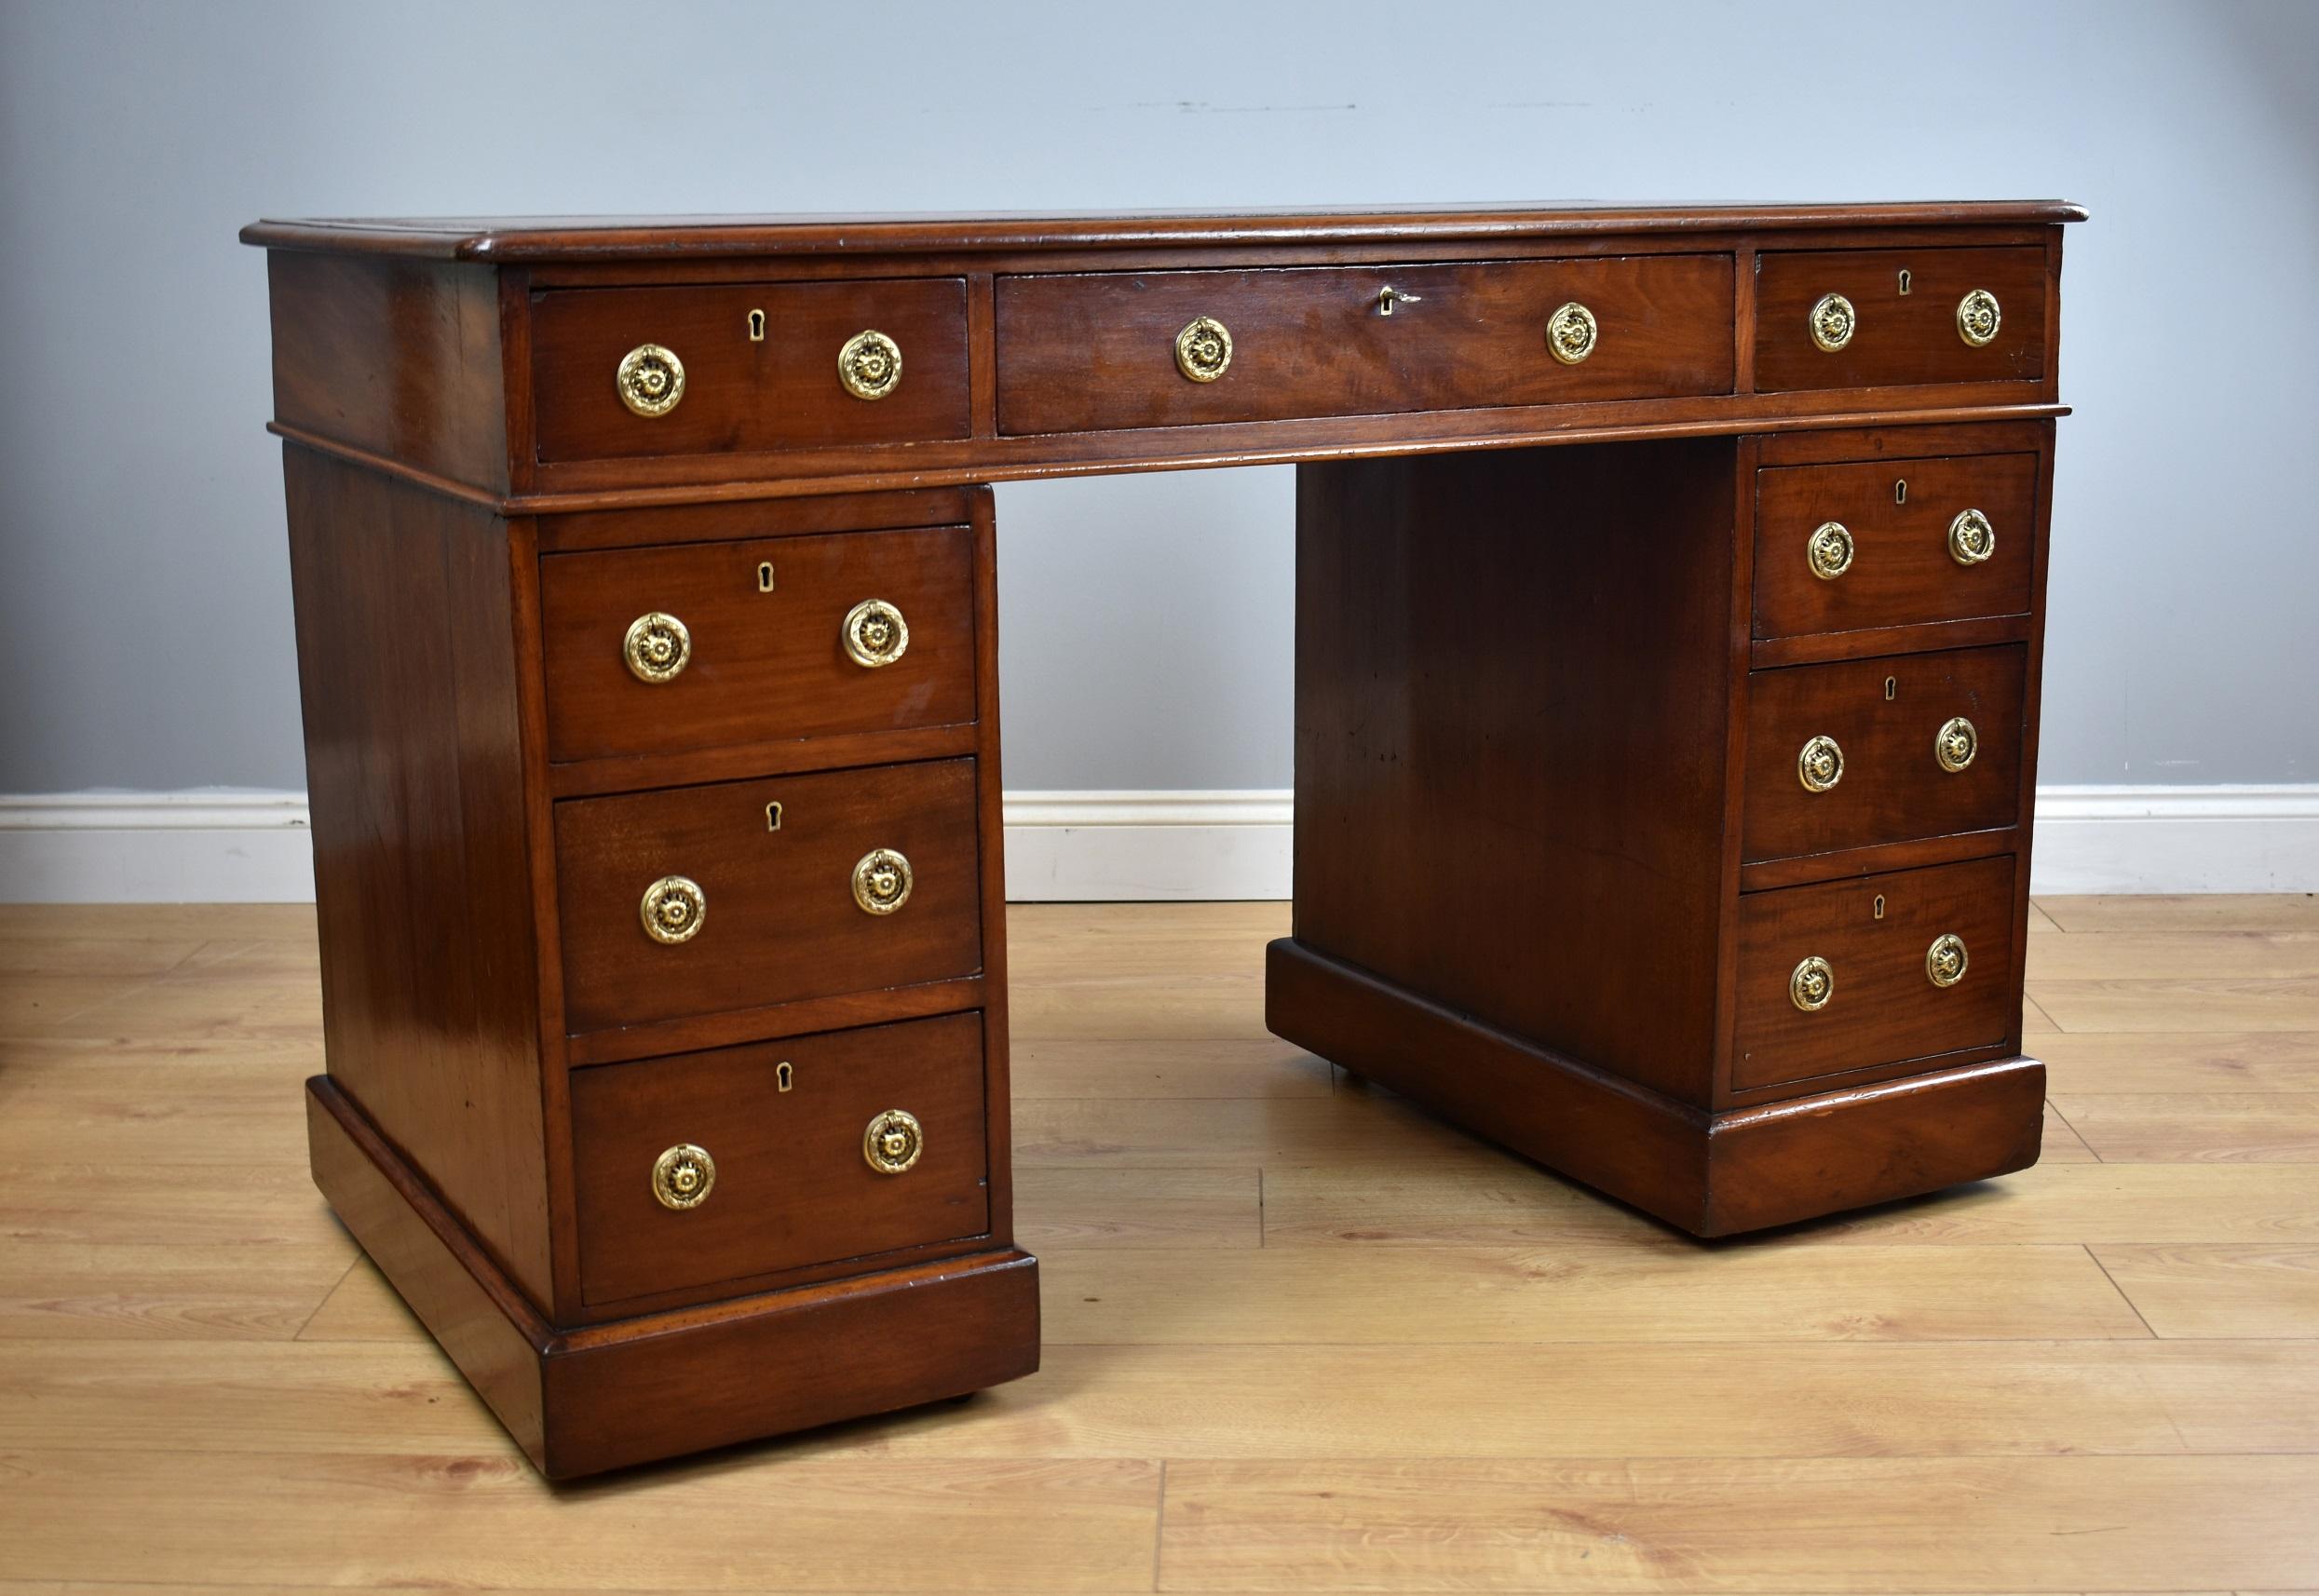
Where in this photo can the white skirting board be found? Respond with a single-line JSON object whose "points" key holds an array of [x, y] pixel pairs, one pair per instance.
{"points": [[236, 846]]}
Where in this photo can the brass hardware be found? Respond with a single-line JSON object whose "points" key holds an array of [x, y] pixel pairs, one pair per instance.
{"points": [[683, 1176], [875, 634], [1571, 334], [657, 648], [784, 1075], [765, 575], [1891, 688], [1811, 984], [1830, 550], [1833, 322], [1880, 906], [1203, 350], [673, 908], [1900, 490], [773, 816], [756, 327], [1944, 960], [1979, 318], [882, 881], [1820, 765], [892, 1141], [651, 380], [1908, 281], [1970, 538], [870, 365], [1389, 297], [1956, 745]]}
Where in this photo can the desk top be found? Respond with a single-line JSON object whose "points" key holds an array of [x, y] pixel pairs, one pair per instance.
{"points": [[533, 239]]}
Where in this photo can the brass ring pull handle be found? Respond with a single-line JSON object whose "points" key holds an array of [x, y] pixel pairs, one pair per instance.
{"points": [[1970, 538], [1833, 322], [875, 634], [870, 365], [1978, 317], [673, 908], [1811, 984], [1571, 334], [1830, 549], [1820, 764], [1203, 350], [1944, 960], [683, 1176], [651, 380], [657, 648], [892, 1141], [1956, 745], [882, 881]]}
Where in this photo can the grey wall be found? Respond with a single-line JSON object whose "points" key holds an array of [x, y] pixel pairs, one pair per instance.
{"points": [[147, 604]]}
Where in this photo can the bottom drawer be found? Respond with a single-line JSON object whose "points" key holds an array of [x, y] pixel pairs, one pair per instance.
{"points": [[721, 1166], [1841, 976]]}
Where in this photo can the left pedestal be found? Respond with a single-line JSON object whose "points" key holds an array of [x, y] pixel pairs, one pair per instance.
{"points": [[663, 998]]}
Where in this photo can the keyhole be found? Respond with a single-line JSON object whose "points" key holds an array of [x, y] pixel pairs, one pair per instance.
{"points": [[1904, 281], [764, 576], [1891, 688], [784, 1077], [773, 817], [1879, 914], [756, 327], [1900, 491]]}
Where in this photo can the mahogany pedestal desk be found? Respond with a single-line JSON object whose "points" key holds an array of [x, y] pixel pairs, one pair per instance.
{"points": [[1670, 591]]}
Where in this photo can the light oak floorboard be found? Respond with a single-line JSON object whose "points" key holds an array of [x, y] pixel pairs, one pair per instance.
{"points": [[1499, 1203], [2146, 1062], [1233, 1068], [2248, 1289], [2262, 1128], [1604, 1399], [460, 1522], [1666, 1288], [2196, 911], [2013, 1523]]}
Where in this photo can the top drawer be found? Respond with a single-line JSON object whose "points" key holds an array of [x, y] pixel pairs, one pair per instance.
{"points": [[1841, 319], [748, 367], [1098, 351]]}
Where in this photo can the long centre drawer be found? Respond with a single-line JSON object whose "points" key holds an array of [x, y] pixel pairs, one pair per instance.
{"points": [[1098, 350], [757, 891]]}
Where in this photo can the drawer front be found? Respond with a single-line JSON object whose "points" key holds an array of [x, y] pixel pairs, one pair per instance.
{"points": [[1885, 717], [1091, 352], [779, 919], [761, 640], [743, 394], [1893, 543], [1898, 338], [791, 1184], [1881, 1005]]}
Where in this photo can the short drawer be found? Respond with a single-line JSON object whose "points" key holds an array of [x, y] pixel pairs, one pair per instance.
{"points": [[1893, 543], [1861, 319], [1852, 974], [1099, 350], [706, 645], [706, 899], [721, 368], [1883, 751], [716, 1167]]}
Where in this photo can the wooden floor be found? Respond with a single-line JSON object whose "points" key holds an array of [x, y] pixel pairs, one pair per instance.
{"points": [[1298, 1336]]}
